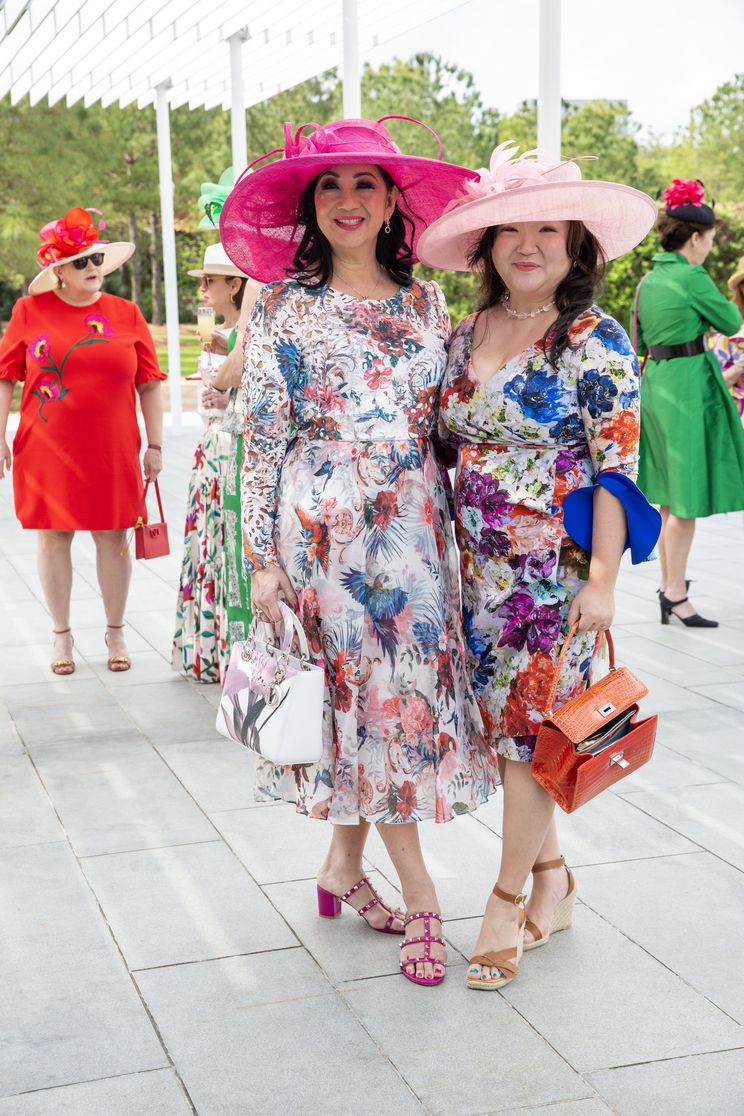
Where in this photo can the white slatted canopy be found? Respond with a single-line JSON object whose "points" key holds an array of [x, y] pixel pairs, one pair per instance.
{"points": [[230, 54]]}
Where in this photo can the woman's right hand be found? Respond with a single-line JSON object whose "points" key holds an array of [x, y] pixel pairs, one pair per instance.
{"points": [[5, 458], [266, 585]]}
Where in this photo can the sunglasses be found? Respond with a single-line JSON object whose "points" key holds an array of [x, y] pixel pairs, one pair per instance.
{"points": [[96, 258]]}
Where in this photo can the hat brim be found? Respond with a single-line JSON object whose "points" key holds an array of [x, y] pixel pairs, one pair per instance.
{"points": [[258, 224], [218, 269], [114, 255], [735, 280], [617, 215]]}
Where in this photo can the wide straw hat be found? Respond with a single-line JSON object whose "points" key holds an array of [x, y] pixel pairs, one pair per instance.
{"points": [[259, 222], [526, 188], [70, 238], [737, 277], [217, 262]]}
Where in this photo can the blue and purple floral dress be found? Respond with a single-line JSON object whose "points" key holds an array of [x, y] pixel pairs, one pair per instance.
{"points": [[527, 438], [341, 486]]}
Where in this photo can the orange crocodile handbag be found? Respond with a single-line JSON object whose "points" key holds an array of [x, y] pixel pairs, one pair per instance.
{"points": [[151, 539], [596, 738]]}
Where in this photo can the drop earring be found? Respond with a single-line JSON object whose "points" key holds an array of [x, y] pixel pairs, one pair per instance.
{"points": [[387, 227]]}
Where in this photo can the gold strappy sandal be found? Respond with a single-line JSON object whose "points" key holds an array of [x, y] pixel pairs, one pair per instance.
{"points": [[505, 960], [63, 667], [563, 913], [117, 663]]}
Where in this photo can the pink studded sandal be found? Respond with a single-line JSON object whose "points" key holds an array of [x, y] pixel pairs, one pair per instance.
{"points": [[427, 938], [329, 906]]}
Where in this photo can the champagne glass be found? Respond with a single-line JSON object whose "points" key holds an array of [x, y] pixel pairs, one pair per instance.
{"points": [[205, 323]]}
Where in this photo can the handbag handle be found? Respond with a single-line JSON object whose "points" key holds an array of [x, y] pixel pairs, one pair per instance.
{"points": [[292, 625], [157, 493], [564, 650]]}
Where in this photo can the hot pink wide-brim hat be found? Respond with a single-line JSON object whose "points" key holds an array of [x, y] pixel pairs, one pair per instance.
{"points": [[521, 189], [259, 221]]}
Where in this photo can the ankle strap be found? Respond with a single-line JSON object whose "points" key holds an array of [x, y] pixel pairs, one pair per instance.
{"points": [[517, 900], [548, 864], [115, 626], [61, 631]]}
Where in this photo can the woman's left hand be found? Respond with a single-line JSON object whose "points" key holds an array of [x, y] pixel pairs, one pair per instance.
{"points": [[152, 463], [593, 607]]}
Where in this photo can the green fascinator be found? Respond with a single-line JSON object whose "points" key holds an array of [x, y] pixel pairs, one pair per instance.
{"points": [[212, 199]]}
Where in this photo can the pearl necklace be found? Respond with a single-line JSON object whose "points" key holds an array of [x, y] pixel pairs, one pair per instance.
{"points": [[359, 294], [527, 314]]}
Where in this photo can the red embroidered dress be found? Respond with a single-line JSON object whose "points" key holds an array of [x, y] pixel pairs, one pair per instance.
{"points": [[76, 452]]}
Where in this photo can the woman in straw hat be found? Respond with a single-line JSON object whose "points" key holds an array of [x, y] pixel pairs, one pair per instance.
{"points": [[541, 397], [692, 443], [344, 508], [83, 357], [212, 598]]}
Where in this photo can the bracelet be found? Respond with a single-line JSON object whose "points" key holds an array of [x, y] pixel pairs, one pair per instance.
{"points": [[151, 445]]}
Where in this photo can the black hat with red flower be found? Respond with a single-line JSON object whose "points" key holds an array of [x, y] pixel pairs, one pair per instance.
{"points": [[683, 200]]}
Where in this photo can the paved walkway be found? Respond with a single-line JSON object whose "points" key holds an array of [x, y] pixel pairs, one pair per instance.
{"points": [[162, 956]]}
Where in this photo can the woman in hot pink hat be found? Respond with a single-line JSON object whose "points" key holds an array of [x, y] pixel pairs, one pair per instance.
{"points": [[344, 506], [541, 398]]}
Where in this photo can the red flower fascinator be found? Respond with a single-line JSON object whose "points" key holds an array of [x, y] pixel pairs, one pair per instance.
{"points": [[72, 234], [683, 192]]}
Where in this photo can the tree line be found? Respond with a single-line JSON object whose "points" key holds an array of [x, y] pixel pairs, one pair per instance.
{"points": [[58, 157]]}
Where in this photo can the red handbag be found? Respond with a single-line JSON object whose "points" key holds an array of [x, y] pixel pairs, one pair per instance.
{"points": [[151, 539], [595, 739]]}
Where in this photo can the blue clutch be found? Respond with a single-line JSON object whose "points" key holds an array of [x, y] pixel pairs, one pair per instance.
{"points": [[644, 522]]}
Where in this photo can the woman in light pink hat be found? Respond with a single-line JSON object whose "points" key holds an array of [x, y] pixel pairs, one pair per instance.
{"points": [[344, 507], [541, 398]]}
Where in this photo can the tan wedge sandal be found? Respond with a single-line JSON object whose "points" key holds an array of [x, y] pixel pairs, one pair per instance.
{"points": [[563, 913], [505, 960]]}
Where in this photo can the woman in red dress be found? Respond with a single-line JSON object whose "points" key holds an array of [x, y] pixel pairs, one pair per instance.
{"points": [[83, 357]]}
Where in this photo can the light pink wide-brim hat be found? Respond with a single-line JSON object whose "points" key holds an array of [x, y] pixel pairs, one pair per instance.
{"points": [[259, 225], [518, 189]]}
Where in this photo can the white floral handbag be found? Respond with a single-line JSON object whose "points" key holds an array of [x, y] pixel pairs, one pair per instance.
{"points": [[272, 701]]}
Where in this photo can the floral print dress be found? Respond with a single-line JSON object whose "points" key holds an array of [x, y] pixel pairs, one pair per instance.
{"points": [[341, 486], [527, 438]]}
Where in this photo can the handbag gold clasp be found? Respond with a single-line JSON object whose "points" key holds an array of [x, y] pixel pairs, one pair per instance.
{"points": [[619, 760]]}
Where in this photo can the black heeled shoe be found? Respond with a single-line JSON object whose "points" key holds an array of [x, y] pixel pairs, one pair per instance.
{"points": [[688, 583], [694, 621]]}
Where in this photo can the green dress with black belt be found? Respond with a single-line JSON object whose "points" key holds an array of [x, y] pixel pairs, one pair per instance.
{"points": [[236, 593], [692, 440]]}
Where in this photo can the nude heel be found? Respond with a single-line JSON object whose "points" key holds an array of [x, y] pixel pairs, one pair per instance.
{"points": [[329, 905], [562, 915]]}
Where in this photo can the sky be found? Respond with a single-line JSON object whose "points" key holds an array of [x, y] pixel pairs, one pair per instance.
{"points": [[661, 56]]}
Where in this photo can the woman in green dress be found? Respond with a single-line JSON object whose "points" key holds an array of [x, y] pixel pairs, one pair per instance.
{"points": [[692, 442]]}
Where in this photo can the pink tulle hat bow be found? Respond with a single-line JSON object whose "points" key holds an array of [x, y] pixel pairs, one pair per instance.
{"points": [[259, 223], [520, 188]]}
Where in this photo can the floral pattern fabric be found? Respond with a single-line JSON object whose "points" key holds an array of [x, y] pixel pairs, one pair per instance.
{"points": [[341, 486], [526, 438]]}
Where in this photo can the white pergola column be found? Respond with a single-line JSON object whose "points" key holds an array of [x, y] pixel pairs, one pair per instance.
{"points": [[237, 104], [352, 76], [165, 171], [549, 110]]}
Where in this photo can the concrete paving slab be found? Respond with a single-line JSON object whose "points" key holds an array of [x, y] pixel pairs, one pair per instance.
{"points": [[706, 1085], [607, 829], [167, 715], [598, 999], [189, 903], [70, 709], [589, 1107], [683, 668], [729, 692], [275, 844], [27, 817], [471, 1053], [711, 816], [217, 772], [711, 738], [667, 770], [121, 801], [25, 622], [720, 646], [149, 668], [156, 1093], [267, 1034], [156, 625], [687, 911], [69, 1010], [10, 742]]}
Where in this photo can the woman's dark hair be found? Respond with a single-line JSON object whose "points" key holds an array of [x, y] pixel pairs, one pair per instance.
{"points": [[313, 261], [574, 294], [237, 298], [674, 233]]}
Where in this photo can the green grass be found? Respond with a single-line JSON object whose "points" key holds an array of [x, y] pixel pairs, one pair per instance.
{"points": [[190, 347]]}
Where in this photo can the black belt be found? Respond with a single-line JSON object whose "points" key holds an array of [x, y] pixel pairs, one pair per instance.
{"points": [[669, 352]]}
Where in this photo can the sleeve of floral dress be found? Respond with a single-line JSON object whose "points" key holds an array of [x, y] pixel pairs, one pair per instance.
{"points": [[266, 406], [609, 398]]}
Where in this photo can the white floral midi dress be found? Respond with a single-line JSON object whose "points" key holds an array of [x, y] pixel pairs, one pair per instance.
{"points": [[528, 437], [341, 486]]}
